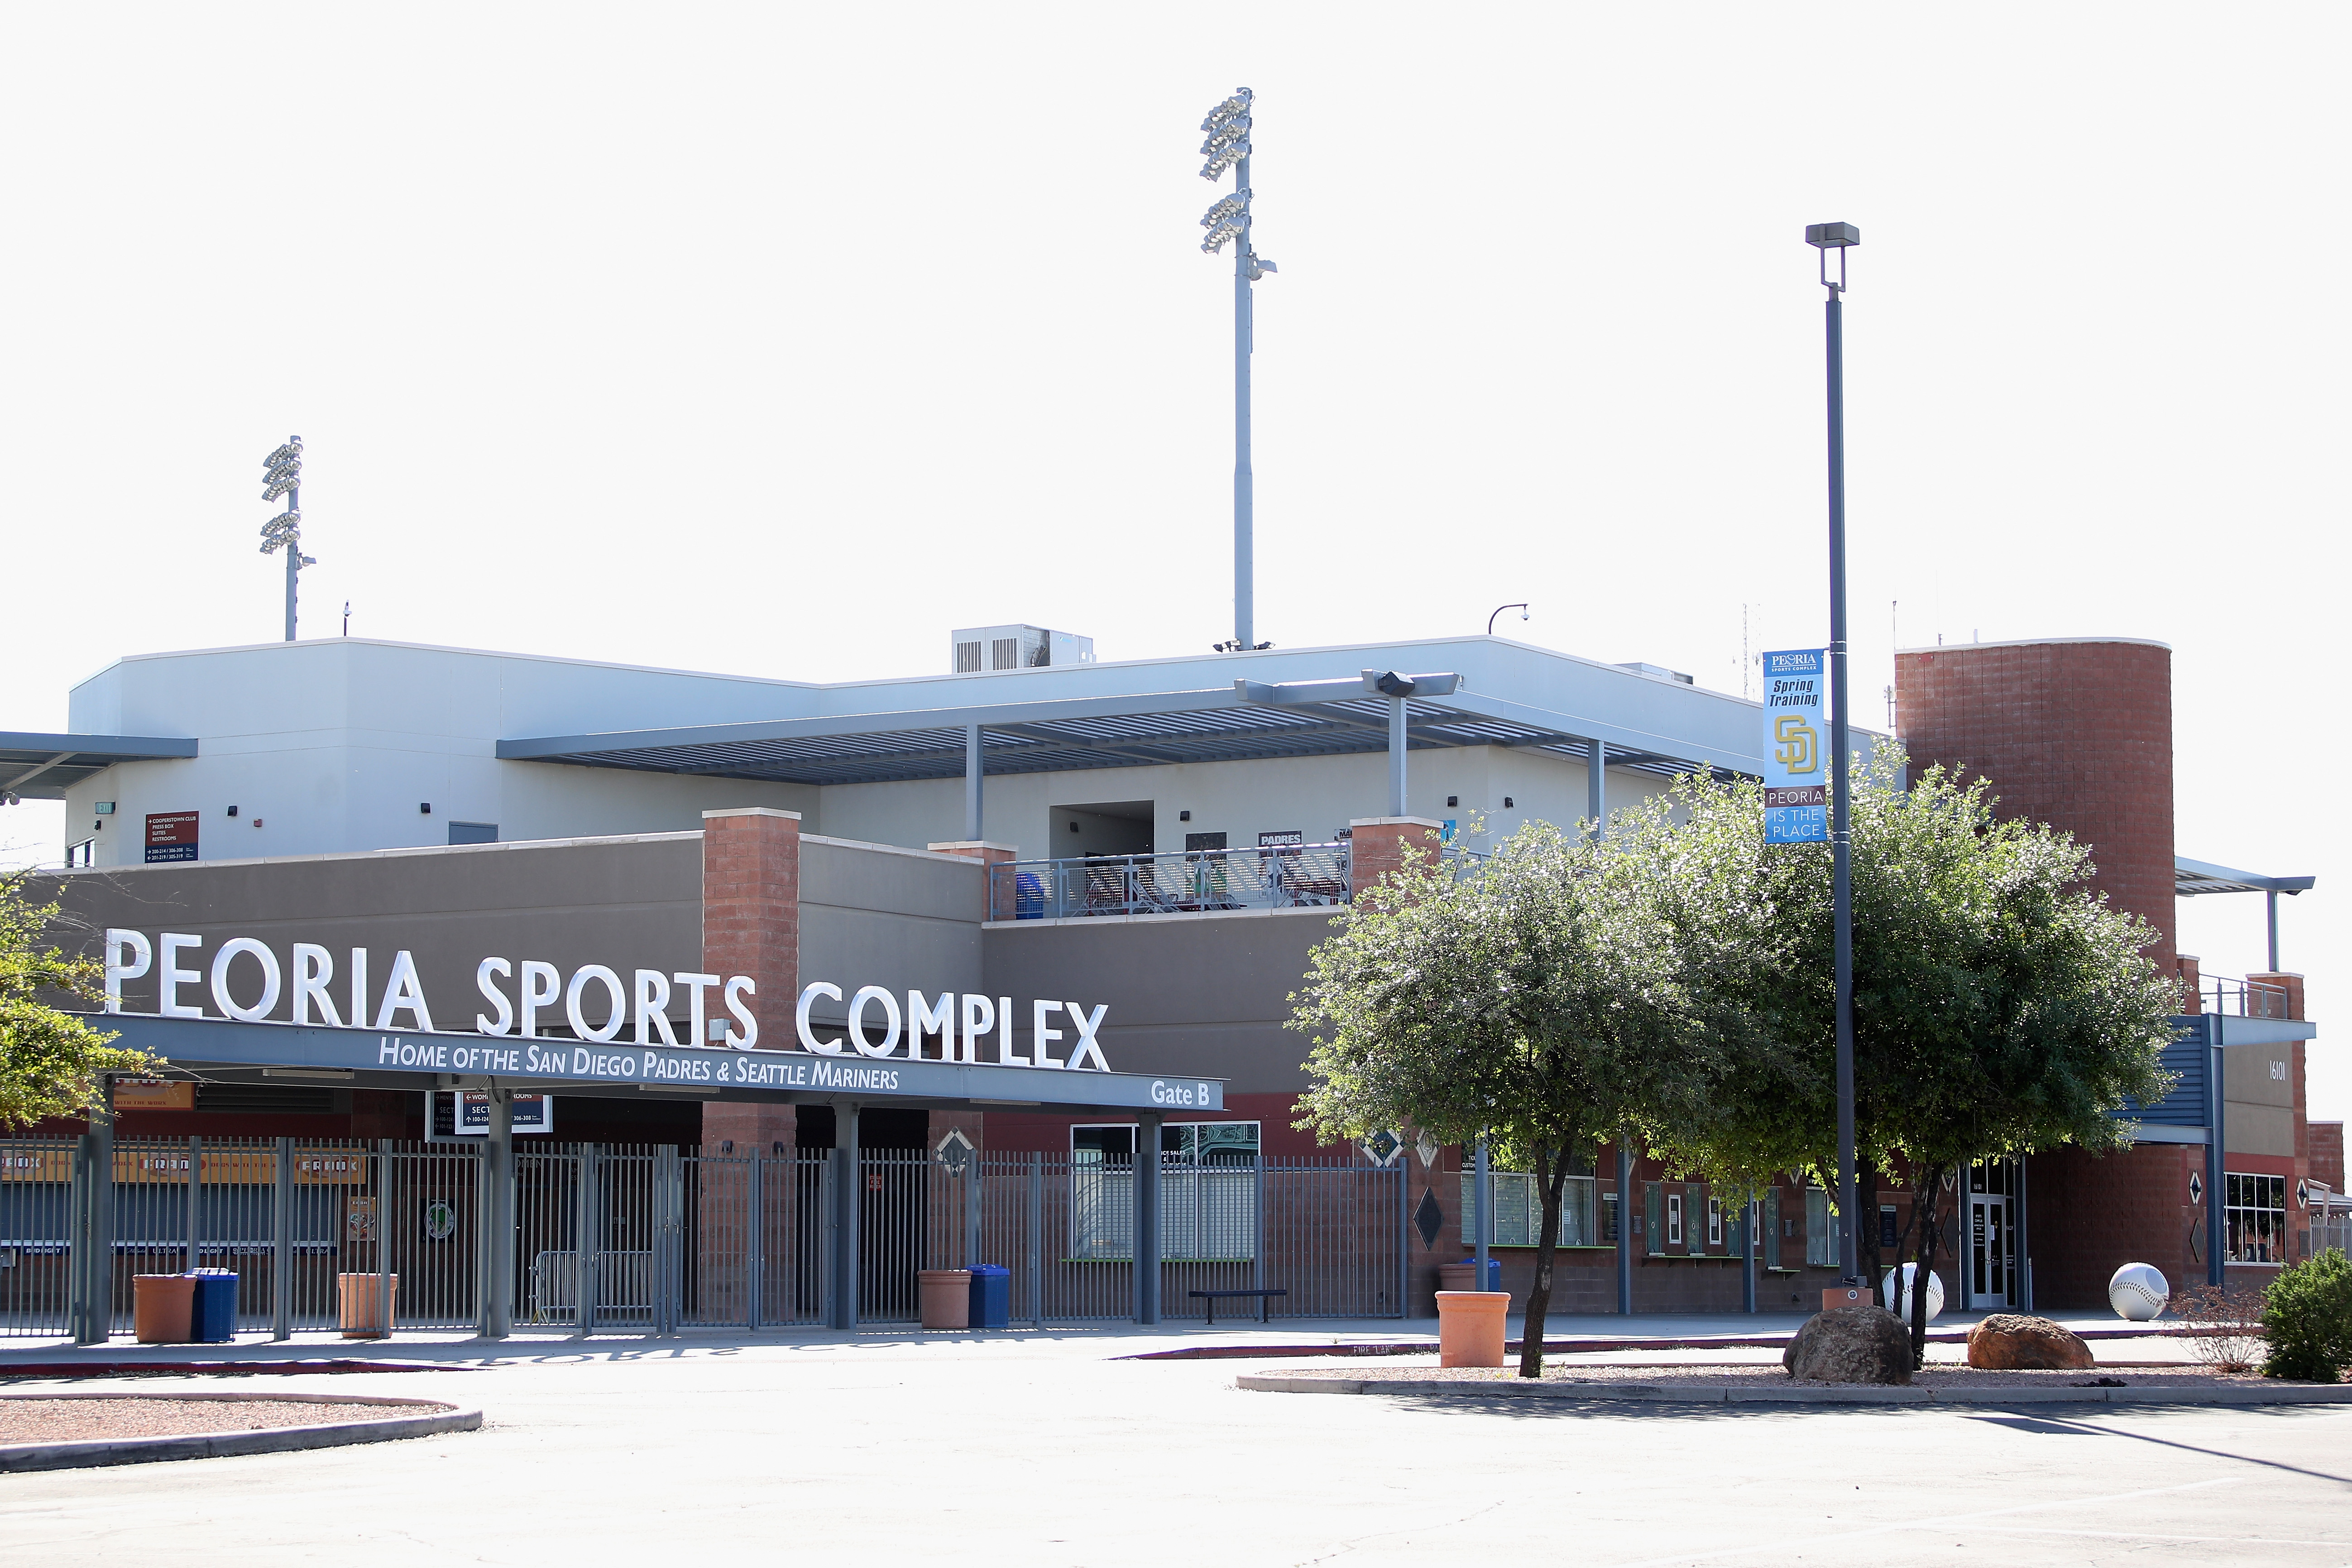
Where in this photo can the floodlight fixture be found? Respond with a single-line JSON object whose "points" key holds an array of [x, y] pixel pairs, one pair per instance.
{"points": [[1826, 237], [282, 476], [1227, 127]]}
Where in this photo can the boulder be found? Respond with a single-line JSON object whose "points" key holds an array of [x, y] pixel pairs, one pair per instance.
{"points": [[1850, 1344], [2012, 1341]]}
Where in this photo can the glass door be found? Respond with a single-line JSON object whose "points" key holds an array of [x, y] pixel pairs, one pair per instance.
{"points": [[1990, 1263]]}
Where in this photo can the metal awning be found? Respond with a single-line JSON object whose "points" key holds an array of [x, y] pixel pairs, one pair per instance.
{"points": [[2192, 877], [43, 766], [1245, 721]]}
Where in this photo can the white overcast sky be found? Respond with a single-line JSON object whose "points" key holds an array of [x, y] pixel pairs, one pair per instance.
{"points": [[782, 339]]}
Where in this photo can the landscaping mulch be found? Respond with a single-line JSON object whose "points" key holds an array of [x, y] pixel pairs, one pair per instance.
{"points": [[80, 1418], [1686, 1375]]}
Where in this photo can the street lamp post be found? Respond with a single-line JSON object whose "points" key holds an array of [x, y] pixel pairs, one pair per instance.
{"points": [[1840, 237], [1228, 147], [282, 476]]}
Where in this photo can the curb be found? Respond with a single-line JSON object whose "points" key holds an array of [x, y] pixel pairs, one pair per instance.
{"points": [[1576, 1346], [1580, 1393], [433, 1416], [223, 1368]]}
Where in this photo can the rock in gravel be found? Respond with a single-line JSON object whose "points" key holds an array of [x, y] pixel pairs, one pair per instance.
{"points": [[1850, 1344], [2010, 1341]]}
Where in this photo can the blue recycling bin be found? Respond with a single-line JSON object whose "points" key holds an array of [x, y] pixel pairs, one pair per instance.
{"points": [[1493, 1270], [991, 1297], [213, 1319]]}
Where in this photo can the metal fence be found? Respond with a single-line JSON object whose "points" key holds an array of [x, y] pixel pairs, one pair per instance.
{"points": [[1275, 877], [2330, 1230], [676, 1239]]}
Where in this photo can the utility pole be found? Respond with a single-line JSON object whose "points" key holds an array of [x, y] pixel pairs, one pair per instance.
{"points": [[282, 476], [1228, 147]]}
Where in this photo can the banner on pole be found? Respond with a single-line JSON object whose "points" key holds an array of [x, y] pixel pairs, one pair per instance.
{"points": [[1796, 750]]}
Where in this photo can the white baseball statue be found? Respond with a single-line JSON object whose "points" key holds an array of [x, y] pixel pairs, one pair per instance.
{"points": [[1899, 1300], [2138, 1292]]}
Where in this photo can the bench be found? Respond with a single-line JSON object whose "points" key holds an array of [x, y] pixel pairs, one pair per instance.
{"points": [[1214, 1296]]}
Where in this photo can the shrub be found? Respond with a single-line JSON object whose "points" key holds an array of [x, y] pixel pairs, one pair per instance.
{"points": [[2225, 1326], [2308, 1319]]}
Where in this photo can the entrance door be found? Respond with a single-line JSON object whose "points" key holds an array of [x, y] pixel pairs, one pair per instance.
{"points": [[1990, 1263]]}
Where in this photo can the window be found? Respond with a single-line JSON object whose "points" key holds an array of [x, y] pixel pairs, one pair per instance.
{"points": [[1208, 1191], [1714, 1222], [1195, 843], [1821, 1234], [1674, 1219], [477, 833], [1518, 1208], [2257, 1219], [82, 853], [1654, 1218]]}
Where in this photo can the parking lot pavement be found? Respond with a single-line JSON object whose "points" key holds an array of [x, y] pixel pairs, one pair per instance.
{"points": [[1049, 1452]]}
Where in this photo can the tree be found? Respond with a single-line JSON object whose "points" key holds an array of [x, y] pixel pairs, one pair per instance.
{"points": [[2001, 1007], [51, 1062], [1525, 1001]]}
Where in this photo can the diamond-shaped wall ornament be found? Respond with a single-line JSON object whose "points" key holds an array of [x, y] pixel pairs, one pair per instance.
{"points": [[2195, 1188], [1381, 1147], [955, 1151], [1426, 1147], [1428, 1219]]}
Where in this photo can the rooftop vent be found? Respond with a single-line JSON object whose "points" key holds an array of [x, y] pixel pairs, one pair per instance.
{"points": [[1661, 671], [978, 648]]}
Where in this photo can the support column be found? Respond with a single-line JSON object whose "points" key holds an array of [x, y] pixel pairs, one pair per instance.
{"points": [[752, 926], [2217, 1180], [90, 1259], [494, 1204], [1748, 1258], [587, 1243], [974, 770], [1398, 803], [848, 1200], [1482, 1197], [1147, 1219], [1596, 788], [281, 1243]]}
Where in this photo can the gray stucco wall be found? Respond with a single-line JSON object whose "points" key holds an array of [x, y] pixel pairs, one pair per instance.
{"points": [[623, 902], [871, 915], [1187, 993]]}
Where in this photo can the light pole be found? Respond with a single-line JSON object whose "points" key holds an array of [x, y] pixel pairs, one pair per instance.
{"points": [[282, 476], [1499, 610], [1228, 147], [1840, 237]]}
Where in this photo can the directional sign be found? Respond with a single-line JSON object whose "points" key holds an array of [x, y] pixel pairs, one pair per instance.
{"points": [[1796, 748]]}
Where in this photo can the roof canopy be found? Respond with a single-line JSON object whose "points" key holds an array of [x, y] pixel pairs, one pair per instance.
{"points": [[2192, 878], [45, 767]]}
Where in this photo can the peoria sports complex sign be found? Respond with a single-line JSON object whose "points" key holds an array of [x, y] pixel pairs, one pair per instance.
{"points": [[870, 1039]]}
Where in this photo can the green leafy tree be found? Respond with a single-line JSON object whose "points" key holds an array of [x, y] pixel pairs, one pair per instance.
{"points": [[1999, 1006], [1526, 1001], [51, 1062]]}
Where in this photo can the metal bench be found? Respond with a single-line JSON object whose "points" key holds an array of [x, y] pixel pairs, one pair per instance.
{"points": [[1214, 1296]]}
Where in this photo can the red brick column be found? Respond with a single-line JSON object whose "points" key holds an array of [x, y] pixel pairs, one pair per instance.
{"points": [[751, 925], [1379, 844], [997, 902], [2192, 982]]}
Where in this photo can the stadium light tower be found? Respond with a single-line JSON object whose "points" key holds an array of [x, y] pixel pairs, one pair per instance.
{"points": [[1228, 147], [283, 477]]}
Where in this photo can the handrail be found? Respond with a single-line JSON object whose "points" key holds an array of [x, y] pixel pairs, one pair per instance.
{"points": [[1190, 881]]}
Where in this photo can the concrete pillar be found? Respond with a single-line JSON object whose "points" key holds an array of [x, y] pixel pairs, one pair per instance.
{"points": [[996, 892], [1399, 749], [848, 1200], [1596, 788], [1379, 844], [495, 1207], [974, 771], [751, 925]]}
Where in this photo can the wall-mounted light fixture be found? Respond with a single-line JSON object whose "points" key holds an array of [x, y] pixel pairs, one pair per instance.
{"points": [[1183, 817], [232, 811], [423, 808], [1507, 802], [1452, 800]]}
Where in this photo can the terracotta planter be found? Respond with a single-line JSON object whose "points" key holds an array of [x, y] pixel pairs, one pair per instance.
{"points": [[947, 1298], [362, 1300], [163, 1308], [1470, 1327]]}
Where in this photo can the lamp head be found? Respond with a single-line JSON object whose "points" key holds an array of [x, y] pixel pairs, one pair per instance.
{"points": [[1832, 236]]}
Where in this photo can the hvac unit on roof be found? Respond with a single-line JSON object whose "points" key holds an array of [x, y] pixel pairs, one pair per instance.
{"points": [[982, 648]]}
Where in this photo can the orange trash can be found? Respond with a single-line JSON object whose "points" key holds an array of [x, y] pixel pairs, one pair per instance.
{"points": [[1470, 1327], [947, 1297], [362, 1300], [163, 1308]]}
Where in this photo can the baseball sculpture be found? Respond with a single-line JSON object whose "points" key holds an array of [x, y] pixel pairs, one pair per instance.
{"points": [[1898, 1299], [2138, 1293]]}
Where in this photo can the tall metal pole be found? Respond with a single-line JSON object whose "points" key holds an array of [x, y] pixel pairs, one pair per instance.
{"points": [[1244, 482], [293, 562], [1838, 237]]}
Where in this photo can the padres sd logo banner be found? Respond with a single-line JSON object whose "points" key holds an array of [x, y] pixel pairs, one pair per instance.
{"points": [[1796, 747]]}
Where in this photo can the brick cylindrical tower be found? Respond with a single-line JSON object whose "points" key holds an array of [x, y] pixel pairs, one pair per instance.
{"points": [[2073, 732]]}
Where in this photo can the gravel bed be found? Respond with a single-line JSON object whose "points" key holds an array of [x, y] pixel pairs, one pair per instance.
{"points": [[1686, 1376], [82, 1419]]}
